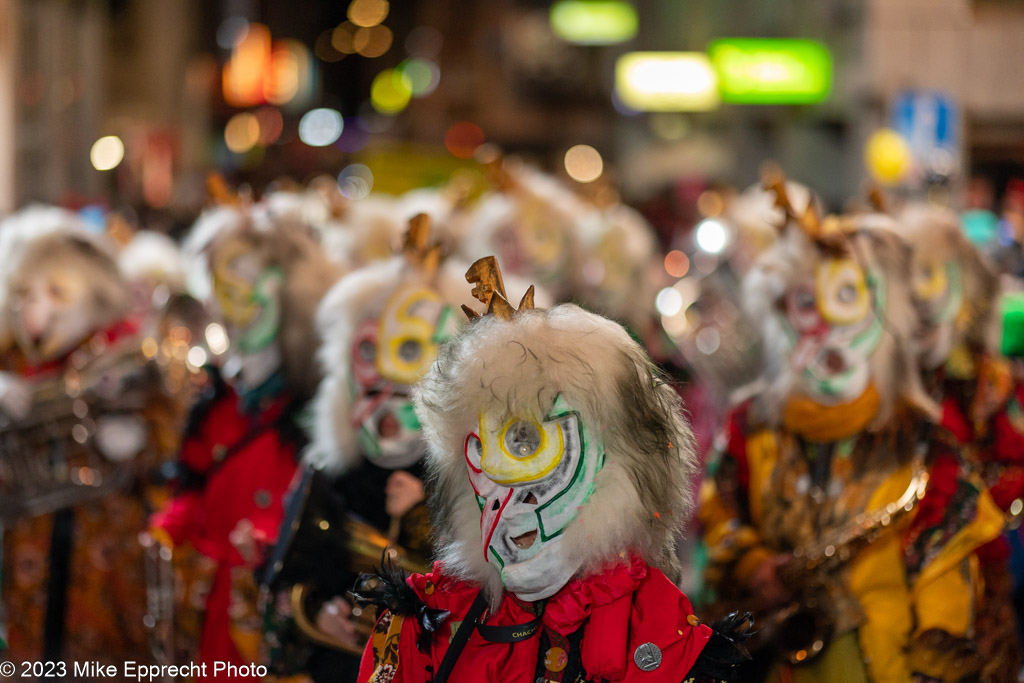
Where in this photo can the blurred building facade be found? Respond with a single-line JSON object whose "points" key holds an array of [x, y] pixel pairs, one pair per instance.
{"points": [[147, 71]]}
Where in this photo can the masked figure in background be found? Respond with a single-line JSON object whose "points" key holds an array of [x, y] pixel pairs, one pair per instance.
{"points": [[530, 221], [982, 405], [817, 508], [243, 441], [76, 446], [381, 327], [560, 463]]}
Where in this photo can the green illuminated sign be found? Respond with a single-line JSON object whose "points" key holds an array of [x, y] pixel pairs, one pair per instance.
{"points": [[771, 70], [594, 22]]}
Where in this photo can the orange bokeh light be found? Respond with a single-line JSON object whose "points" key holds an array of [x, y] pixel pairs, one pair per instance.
{"points": [[463, 138], [677, 264], [244, 72]]}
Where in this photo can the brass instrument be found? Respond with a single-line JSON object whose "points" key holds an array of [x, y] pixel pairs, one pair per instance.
{"points": [[309, 527], [805, 626], [368, 546], [48, 459]]}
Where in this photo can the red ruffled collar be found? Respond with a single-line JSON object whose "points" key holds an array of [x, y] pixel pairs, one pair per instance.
{"points": [[570, 606]]}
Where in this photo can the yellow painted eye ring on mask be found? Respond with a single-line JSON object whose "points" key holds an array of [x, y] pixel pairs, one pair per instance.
{"points": [[505, 468], [841, 292], [398, 325], [232, 290], [930, 286]]}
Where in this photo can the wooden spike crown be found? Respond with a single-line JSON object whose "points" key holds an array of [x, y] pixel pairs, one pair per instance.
{"points": [[828, 232], [876, 198], [489, 289], [416, 245]]}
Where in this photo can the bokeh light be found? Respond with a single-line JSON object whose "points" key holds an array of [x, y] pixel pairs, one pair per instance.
{"points": [[320, 127], [669, 301], [242, 132], [390, 92], [887, 156], [666, 81], [423, 75], [216, 338], [196, 357], [244, 73], [594, 22], [368, 12], [290, 78], [106, 153], [677, 264], [342, 37], [710, 203], [373, 41], [355, 181], [708, 340], [463, 138], [712, 236], [583, 163]]}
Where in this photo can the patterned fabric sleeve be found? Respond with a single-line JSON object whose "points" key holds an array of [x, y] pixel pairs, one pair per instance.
{"points": [[734, 545], [380, 658]]}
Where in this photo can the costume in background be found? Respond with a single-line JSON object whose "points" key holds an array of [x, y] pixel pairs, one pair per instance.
{"points": [[244, 439], [834, 480], [381, 327], [82, 413], [957, 292]]}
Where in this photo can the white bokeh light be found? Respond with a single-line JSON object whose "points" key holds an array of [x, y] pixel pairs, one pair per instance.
{"points": [[355, 181], [669, 301], [216, 338], [106, 153], [320, 127], [712, 236]]}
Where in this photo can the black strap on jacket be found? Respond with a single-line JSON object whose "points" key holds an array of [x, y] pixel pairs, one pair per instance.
{"points": [[509, 634], [459, 640]]}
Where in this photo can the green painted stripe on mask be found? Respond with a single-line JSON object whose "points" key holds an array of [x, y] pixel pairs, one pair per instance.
{"points": [[406, 416]]}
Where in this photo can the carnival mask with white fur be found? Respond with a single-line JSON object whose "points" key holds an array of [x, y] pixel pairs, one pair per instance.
{"points": [[555, 449], [836, 316]]}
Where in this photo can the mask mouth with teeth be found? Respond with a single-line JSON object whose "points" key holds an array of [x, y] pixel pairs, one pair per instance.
{"points": [[555, 450]]}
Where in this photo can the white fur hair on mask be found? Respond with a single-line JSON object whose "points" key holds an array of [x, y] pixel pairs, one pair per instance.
{"points": [[516, 368], [30, 223], [935, 236], [48, 242], [361, 295], [871, 240]]}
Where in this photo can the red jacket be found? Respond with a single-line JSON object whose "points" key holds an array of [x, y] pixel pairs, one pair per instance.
{"points": [[235, 466], [621, 609]]}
